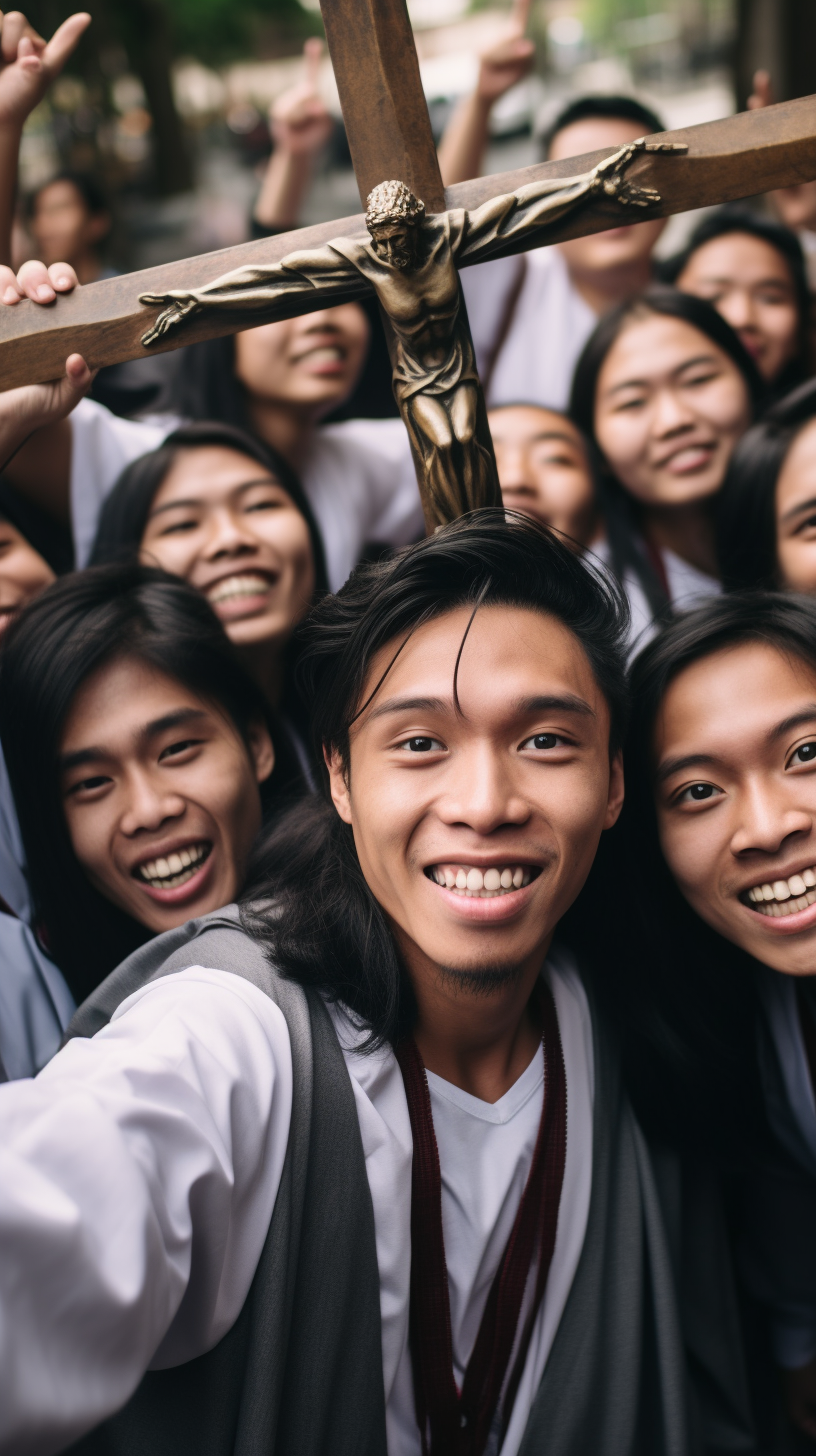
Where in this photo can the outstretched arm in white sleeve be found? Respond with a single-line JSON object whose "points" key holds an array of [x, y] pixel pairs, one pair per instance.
{"points": [[138, 1174]]}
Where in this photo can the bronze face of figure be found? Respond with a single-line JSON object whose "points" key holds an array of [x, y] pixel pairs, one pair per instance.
{"points": [[410, 260]]}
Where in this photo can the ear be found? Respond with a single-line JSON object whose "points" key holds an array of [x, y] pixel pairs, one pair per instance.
{"points": [[614, 802], [338, 783], [261, 750]]}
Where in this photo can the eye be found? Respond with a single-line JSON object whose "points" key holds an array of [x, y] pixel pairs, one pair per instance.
{"points": [[697, 794], [87, 786], [421, 745], [265, 505], [544, 742], [697, 380], [807, 525], [174, 750], [805, 754], [177, 527]]}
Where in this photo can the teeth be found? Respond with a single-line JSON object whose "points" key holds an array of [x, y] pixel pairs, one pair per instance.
{"points": [[784, 897], [481, 884], [787, 906], [238, 586], [175, 870]]}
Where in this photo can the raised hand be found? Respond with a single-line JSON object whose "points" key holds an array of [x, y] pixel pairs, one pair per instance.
{"points": [[35, 406], [762, 94], [28, 64], [508, 62], [299, 120]]}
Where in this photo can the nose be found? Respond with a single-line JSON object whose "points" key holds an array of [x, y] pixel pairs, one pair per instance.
{"points": [[228, 535], [482, 793], [512, 468], [737, 308], [766, 820], [149, 805], [671, 413]]}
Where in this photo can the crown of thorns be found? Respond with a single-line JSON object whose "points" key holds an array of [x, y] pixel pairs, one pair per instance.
{"points": [[393, 202]]}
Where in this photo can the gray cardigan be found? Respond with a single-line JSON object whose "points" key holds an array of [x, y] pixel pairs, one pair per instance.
{"points": [[300, 1373]]}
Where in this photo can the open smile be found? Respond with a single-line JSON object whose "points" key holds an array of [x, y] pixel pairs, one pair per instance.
{"points": [[178, 875], [689, 458], [787, 904], [485, 894], [323, 359], [241, 593]]}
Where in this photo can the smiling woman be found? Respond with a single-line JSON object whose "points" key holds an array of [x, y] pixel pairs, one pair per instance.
{"points": [[766, 514], [136, 747], [665, 389], [720, 842], [222, 510]]}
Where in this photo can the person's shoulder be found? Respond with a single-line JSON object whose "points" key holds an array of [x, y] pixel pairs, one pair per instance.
{"points": [[93, 423], [365, 440]]}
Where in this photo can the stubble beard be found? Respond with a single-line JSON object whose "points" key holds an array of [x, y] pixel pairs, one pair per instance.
{"points": [[484, 980]]}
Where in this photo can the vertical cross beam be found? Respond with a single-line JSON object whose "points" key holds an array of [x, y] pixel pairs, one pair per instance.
{"points": [[372, 48], [377, 71]]}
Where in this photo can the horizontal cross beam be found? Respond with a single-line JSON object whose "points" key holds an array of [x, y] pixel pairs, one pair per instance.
{"points": [[741, 156]]}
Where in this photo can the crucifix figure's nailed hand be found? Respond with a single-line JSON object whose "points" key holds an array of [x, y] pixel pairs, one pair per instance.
{"points": [[410, 258]]}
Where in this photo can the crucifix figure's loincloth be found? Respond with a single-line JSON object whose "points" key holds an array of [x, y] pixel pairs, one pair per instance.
{"points": [[410, 260]]}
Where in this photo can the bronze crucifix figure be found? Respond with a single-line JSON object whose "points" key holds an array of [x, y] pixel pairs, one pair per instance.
{"points": [[410, 261]]}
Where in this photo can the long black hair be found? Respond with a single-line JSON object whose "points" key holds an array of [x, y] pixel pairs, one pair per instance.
{"points": [[684, 996], [122, 524], [327, 929], [736, 218], [622, 513], [75, 627], [124, 514], [746, 506]]}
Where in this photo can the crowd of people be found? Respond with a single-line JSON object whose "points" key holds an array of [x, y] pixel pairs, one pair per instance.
{"points": [[408, 945]]}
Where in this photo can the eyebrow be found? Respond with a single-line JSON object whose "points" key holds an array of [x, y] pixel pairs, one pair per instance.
{"points": [[807, 505], [193, 502], [149, 730], [775, 278], [706, 760], [540, 703], [681, 368]]}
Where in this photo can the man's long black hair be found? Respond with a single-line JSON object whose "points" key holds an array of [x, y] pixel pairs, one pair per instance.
{"points": [[326, 930]]}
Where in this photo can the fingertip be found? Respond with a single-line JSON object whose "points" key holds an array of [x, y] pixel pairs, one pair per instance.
{"points": [[77, 370]]}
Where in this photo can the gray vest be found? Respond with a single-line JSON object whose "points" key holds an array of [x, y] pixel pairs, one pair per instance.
{"points": [[300, 1373]]}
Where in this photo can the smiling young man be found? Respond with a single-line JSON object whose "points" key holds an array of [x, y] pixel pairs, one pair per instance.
{"points": [[136, 746], [361, 1150], [724, 747]]}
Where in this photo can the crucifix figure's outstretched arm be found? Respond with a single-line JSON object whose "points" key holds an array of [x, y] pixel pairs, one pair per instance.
{"points": [[531, 208], [257, 289]]}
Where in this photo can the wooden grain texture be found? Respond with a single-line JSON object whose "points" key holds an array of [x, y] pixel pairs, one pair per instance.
{"points": [[386, 117], [740, 156]]}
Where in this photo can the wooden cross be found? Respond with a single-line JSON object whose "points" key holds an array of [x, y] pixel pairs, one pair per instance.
{"points": [[389, 133]]}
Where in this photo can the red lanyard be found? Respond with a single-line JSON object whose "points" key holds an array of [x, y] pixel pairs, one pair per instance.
{"points": [[459, 1422]]}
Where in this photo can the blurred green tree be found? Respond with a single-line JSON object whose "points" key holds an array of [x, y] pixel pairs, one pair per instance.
{"points": [[154, 33]]}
